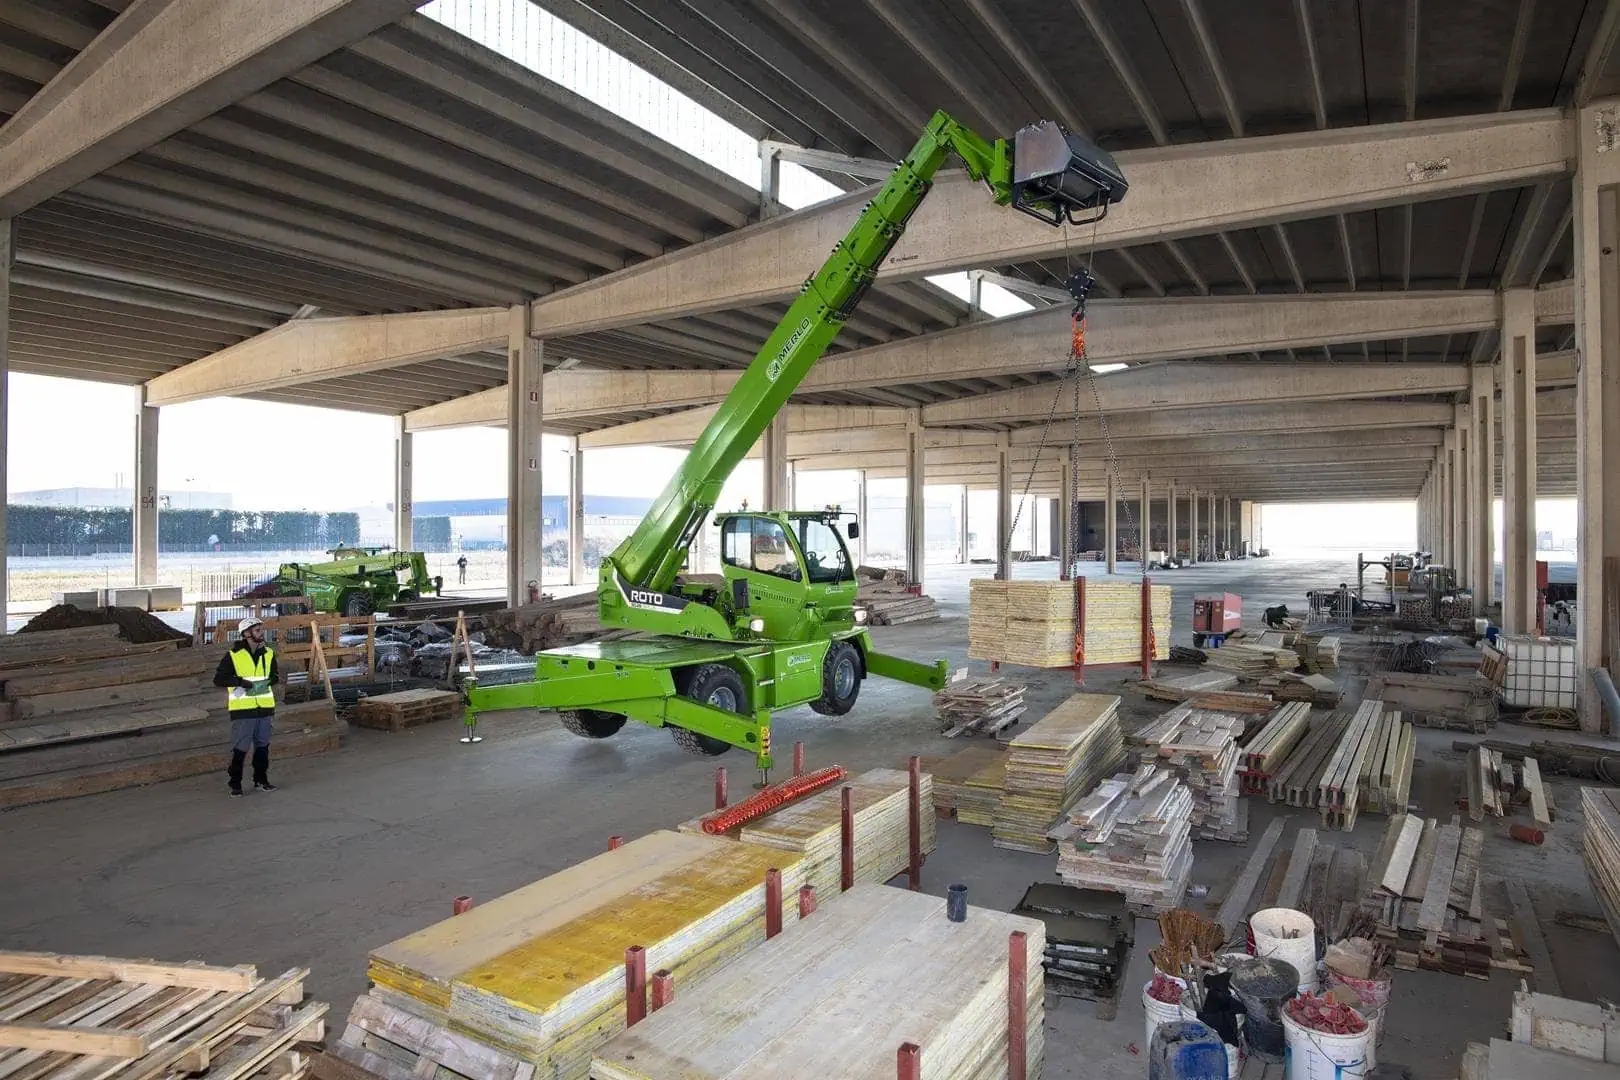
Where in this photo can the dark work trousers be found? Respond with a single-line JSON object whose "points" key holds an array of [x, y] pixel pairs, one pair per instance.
{"points": [[250, 732]]}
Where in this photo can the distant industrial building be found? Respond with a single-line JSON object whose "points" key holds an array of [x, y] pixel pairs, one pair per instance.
{"points": [[94, 498]]}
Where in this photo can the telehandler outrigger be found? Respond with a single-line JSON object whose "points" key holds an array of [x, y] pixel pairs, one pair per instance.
{"points": [[782, 629]]}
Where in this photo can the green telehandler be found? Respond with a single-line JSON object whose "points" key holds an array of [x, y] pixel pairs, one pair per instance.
{"points": [[780, 627], [355, 581]]}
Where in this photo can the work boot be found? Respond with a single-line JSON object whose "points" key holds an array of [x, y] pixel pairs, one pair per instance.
{"points": [[263, 785], [234, 772], [261, 769], [236, 791]]}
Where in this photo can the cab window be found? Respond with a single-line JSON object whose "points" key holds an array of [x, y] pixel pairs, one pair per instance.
{"points": [[761, 545], [824, 555]]}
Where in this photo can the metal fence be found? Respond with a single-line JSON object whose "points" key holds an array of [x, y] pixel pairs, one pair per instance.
{"points": [[224, 584]]}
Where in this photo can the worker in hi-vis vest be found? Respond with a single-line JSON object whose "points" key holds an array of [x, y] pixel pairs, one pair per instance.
{"points": [[249, 674]]}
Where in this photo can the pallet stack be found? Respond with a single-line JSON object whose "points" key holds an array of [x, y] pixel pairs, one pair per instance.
{"points": [[837, 995], [1200, 745], [1133, 836], [978, 707], [84, 711], [1262, 755], [1060, 758], [1032, 623], [407, 708], [811, 828], [95, 1016], [539, 974]]}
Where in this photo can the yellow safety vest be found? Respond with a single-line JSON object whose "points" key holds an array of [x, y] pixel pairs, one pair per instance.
{"points": [[239, 698]]}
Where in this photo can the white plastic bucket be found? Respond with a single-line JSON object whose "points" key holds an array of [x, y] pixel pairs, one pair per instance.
{"points": [[1158, 1012], [1317, 1055], [1288, 935], [1374, 995], [1234, 1062]]}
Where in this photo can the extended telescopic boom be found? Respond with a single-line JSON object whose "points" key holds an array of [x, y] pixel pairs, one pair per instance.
{"points": [[1052, 176]]}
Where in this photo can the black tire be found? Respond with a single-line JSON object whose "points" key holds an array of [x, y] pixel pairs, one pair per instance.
{"points": [[357, 605], [591, 723], [716, 685], [840, 680], [1198, 641]]}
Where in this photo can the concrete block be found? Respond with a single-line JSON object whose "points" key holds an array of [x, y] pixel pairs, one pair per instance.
{"points": [[165, 598], [135, 598], [84, 599], [1579, 1028]]}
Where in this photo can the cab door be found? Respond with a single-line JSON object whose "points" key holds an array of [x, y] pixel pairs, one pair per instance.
{"points": [[761, 551]]}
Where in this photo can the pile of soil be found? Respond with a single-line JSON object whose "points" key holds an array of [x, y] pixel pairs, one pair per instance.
{"points": [[134, 625]]}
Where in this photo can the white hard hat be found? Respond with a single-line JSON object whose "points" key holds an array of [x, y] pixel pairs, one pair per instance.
{"points": [[248, 623]]}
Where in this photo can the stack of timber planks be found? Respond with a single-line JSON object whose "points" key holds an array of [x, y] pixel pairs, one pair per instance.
{"points": [[1339, 786], [538, 974], [1426, 893], [1033, 622], [1252, 662], [552, 622], [1200, 745], [1296, 778], [90, 1017], [967, 784], [407, 708], [1600, 847], [1061, 757], [1319, 690], [811, 827], [1133, 836], [1262, 755], [837, 994], [1182, 687], [978, 706], [85, 712], [1485, 779], [1457, 702], [1386, 777], [889, 600]]}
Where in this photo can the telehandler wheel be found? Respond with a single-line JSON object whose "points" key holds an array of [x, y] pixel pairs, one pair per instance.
{"points": [[357, 605], [840, 680], [716, 685], [591, 723]]}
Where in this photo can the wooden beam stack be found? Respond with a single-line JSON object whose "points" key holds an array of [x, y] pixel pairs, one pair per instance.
{"points": [[1426, 892], [1133, 835], [1339, 785], [1049, 766], [978, 706], [1386, 777], [1033, 622], [837, 994], [888, 599], [1200, 745], [1296, 778], [1283, 730], [540, 972]]}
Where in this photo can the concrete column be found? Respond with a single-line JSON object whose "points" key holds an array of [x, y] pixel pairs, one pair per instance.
{"points": [[525, 560], [1231, 524], [1192, 525], [1066, 514], [1462, 541], [1246, 526], [1518, 368], [1482, 474], [1171, 523], [776, 466], [576, 515], [8, 254], [1004, 507], [1597, 407], [962, 525], [861, 515], [146, 490], [1210, 528], [916, 504], [1446, 521], [404, 538], [1111, 525], [1147, 521], [770, 182]]}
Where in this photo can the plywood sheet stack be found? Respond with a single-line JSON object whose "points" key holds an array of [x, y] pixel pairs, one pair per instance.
{"points": [[1133, 835], [967, 784], [1182, 687], [880, 800], [1200, 745], [1600, 847], [837, 994], [1032, 622], [1252, 662], [1061, 757], [1282, 731], [539, 973]]}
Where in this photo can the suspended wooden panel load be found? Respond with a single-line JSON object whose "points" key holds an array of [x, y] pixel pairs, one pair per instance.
{"points": [[837, 994], [1032, 623], [811, 827], [539, 972], [1060, 758]]}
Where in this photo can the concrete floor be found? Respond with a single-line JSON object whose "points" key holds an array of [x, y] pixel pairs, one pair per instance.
{"points": [[371, 842]]}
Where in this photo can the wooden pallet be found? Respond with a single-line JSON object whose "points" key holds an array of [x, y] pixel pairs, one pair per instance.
{"points": [[407, 708], [978, 706], [95, 1017]]}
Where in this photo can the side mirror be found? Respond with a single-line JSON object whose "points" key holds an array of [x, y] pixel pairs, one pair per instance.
{"points": [[739, 594], [853, 529]]}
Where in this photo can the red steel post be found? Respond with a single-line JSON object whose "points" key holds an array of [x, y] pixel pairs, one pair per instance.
{"points": [[908, 1062], [635, 985], [914, 838], [461, 905], [720, 799], [615, 842], [773, 903], [807, 900], [1149, 645], [798, 759], [663, 989], [1017, 1004], [1079, 630], [846, 830]]}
